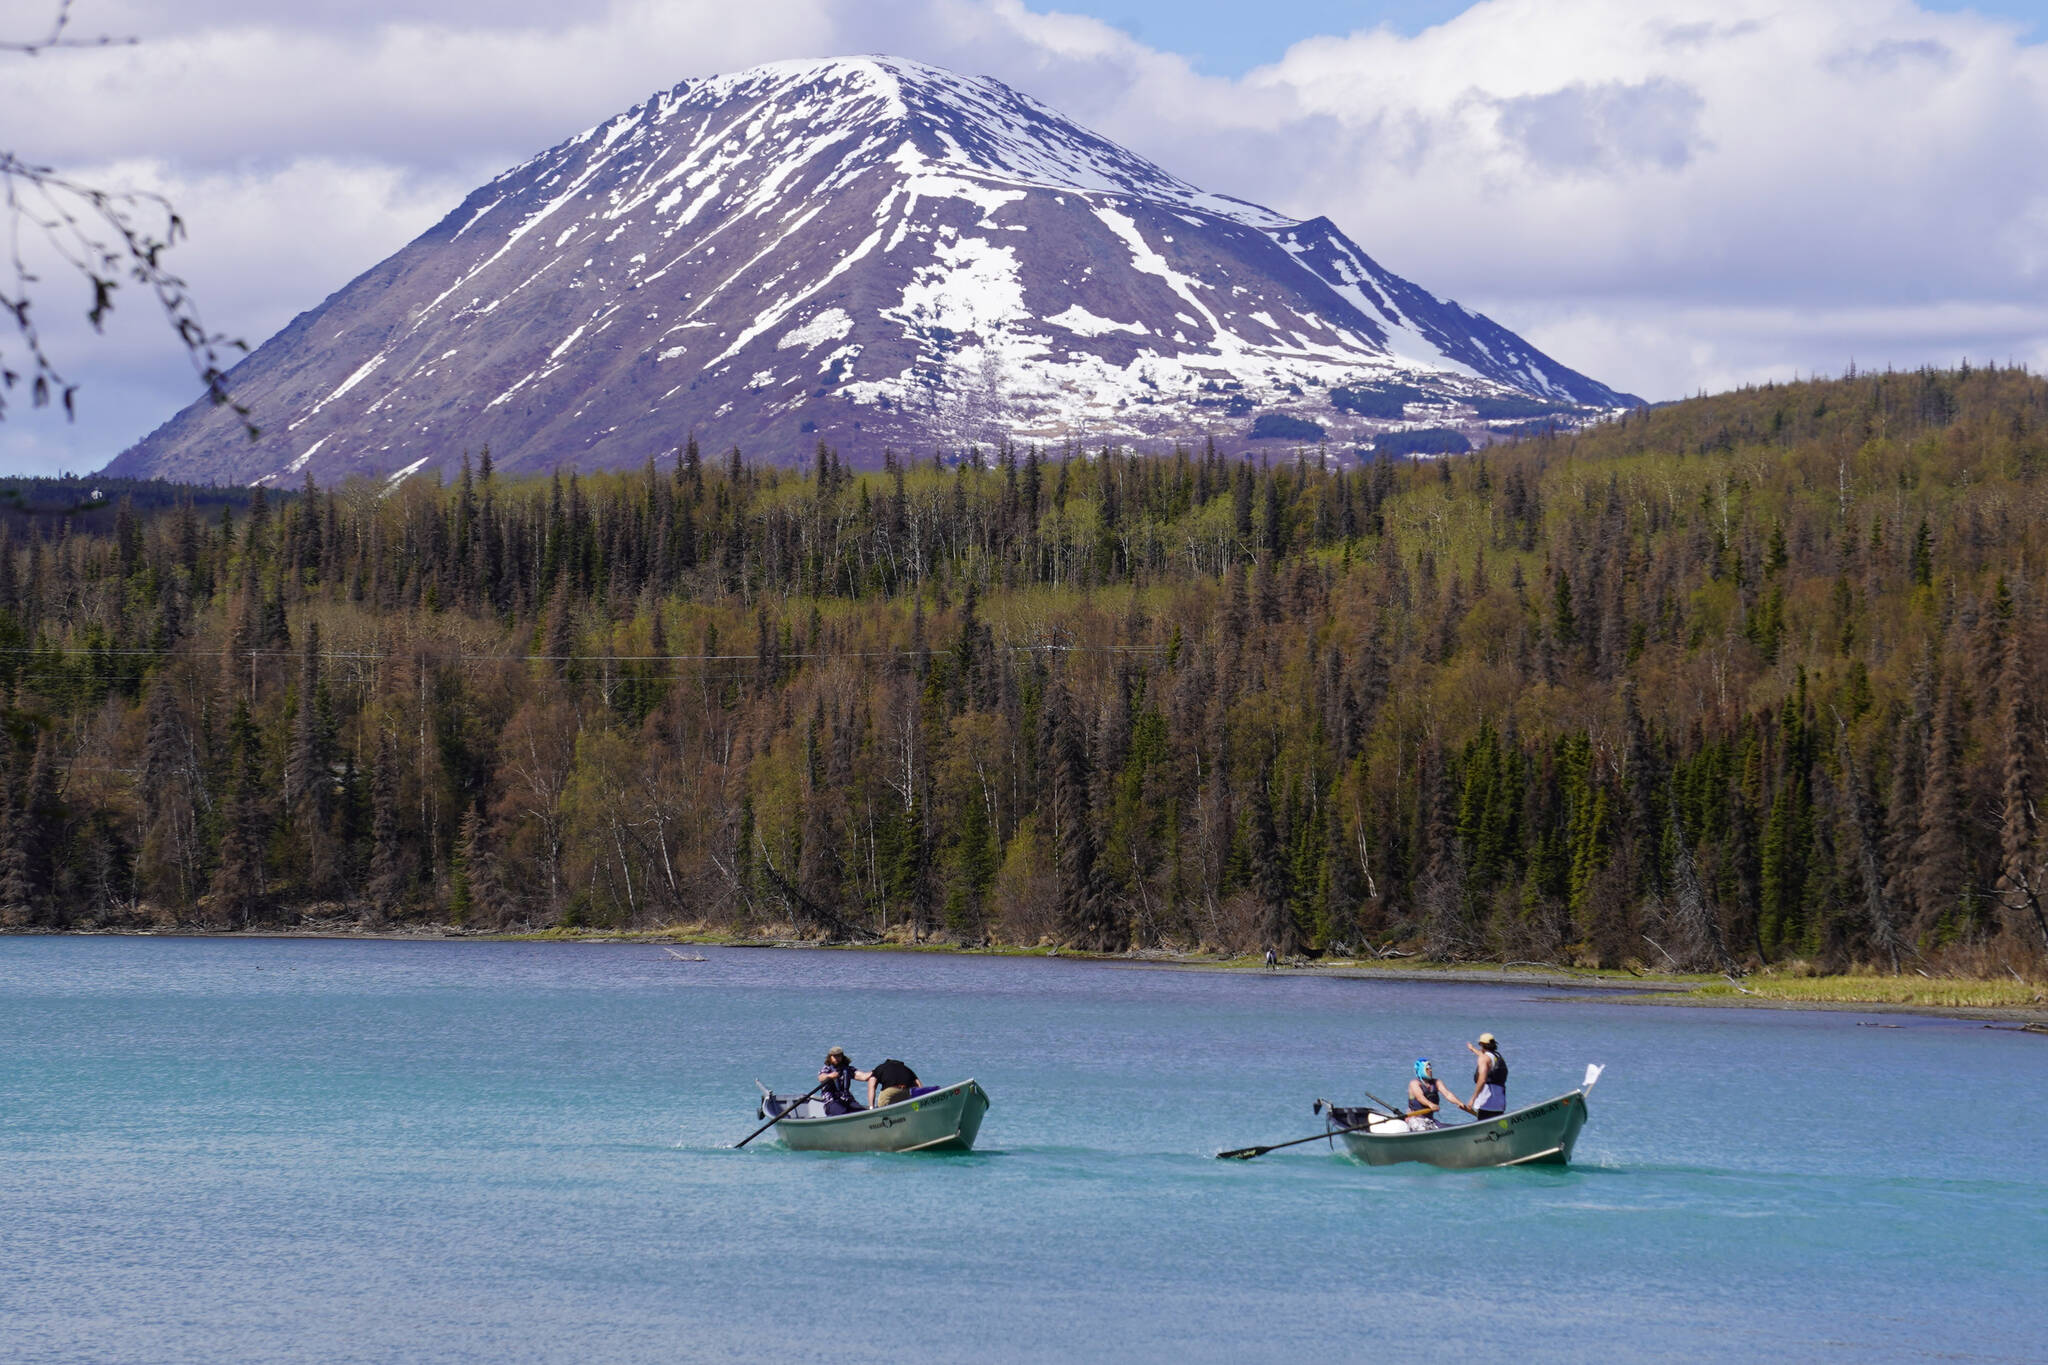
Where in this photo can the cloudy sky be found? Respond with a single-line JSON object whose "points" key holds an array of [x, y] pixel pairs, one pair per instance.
{"points": [[1670, 195]]}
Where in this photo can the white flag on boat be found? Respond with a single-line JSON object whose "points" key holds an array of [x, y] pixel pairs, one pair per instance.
{"points": [[1592, 1075]]}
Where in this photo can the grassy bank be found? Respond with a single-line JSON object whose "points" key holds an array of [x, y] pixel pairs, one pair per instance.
{"points": [[1914, 991], [1910, 991]]}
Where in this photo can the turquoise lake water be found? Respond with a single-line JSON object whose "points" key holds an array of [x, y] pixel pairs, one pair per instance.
{"points": [[259, 1150]]}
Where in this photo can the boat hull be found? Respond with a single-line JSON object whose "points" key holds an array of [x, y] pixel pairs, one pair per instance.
{"points": [[944, 1120], [1540, 1135]]}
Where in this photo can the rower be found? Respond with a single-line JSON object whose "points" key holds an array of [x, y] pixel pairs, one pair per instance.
{"points": [[894, 1080], [1489, 1080], [838, 1076], [1424, 1098]]}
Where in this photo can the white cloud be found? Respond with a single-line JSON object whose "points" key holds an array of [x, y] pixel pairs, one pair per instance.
{"points": [[1667, 194], [1709, 190], [1709, 347]]}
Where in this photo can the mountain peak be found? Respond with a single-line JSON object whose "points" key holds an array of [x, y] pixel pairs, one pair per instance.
{"points": [[865, 250], [970, 124]]}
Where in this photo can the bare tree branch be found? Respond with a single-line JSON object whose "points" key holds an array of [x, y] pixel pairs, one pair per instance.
{"points": [[59, 35], [110, 238]]}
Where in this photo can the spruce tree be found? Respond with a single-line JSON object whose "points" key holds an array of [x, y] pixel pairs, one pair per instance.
{"points": [[1440, 891], [386, 886], [1342, 885], [240, 888], [41, 822], [1878, 906], [2022, 860], [558, 640], [1079, 880], [1269, 871], [1787, 837], [1940, 864], [17, 887], [1697, 930]]}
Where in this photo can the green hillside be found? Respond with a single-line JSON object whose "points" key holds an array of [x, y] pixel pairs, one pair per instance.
{"points": [[1742, 679]]}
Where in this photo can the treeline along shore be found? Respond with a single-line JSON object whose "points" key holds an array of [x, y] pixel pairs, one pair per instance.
{"points": [[1731, 682]]}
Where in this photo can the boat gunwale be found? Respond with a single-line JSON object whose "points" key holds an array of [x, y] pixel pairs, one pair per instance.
{"points": [[936, 1093], [1349, 1133]]}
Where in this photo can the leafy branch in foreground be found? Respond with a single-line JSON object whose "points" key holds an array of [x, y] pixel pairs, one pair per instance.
{"points": [[109, 237]]}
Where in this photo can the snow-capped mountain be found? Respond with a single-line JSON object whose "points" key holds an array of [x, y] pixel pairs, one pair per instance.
{"points": [[869, 251]]}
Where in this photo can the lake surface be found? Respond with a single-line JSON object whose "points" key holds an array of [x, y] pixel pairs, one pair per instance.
{"points": [[260, 1150]]}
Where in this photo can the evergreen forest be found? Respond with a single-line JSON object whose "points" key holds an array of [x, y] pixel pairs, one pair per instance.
{"points": [[1746, 679]]}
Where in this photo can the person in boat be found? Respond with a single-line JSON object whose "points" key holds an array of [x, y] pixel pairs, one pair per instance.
{"points": [[1489, 1080], [1425, 1098], [837, 1076], [889, 1083]]}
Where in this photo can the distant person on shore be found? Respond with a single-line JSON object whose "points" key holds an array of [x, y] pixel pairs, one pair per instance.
{"points": [[1272, 960], [893, 1079], [1425, 1098], [838, 1076], [1489, 1080]]}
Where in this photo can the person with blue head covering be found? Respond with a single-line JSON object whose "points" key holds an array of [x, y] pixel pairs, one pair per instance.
{"points": [[1424, 1098]]}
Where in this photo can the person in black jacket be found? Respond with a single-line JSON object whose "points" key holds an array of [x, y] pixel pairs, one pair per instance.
{"points": [[893, 1080]]}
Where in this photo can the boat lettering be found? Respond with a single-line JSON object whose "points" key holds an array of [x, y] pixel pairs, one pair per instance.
{"points": [[1505, 1125], [889, 1122]]}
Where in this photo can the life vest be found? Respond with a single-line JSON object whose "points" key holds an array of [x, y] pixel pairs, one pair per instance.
{"points": [[1493, 1093], [840, 1087]]}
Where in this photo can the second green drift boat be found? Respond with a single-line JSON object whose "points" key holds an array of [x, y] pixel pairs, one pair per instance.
{"points": [[1539, 1135]]}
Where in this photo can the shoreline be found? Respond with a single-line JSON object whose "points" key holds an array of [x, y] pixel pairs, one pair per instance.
{"points": [[1589, 985]]}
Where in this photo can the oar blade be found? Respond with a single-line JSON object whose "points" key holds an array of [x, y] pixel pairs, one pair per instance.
{"points": [[1243, 1154]]}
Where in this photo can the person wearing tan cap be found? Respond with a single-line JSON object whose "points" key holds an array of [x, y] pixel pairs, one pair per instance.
{"points": [[837, 1076], [1489, 1080]]}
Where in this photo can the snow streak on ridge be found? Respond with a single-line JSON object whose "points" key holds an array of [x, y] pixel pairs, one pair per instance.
{"points": [[867, 250]]}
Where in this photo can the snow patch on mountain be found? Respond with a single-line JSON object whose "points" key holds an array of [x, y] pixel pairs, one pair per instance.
{"points": [[1007, 274], [831, 325], [1080, 321]]}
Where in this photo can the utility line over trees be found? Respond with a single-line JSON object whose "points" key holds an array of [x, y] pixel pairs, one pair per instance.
{"points": [[102, 239], [1749, 678]]}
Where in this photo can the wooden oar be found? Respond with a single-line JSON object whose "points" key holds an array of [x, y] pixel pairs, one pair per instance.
{"points": [[777, 1119], [1247, 1153]]}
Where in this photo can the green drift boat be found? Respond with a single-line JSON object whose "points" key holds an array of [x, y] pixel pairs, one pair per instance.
{"points": [[945, 1119], [1540, 1135]]}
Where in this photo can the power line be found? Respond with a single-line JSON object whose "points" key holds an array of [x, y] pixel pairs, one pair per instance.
{"points": [[467, 657], [29, 652]]}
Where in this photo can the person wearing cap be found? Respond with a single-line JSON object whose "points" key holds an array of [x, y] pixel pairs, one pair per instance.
{"points": [[1424, 1098], [1489, 1080], [838, 1076]]}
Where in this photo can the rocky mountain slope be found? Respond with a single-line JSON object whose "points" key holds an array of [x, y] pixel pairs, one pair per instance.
{"points": [[869, 251]]}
